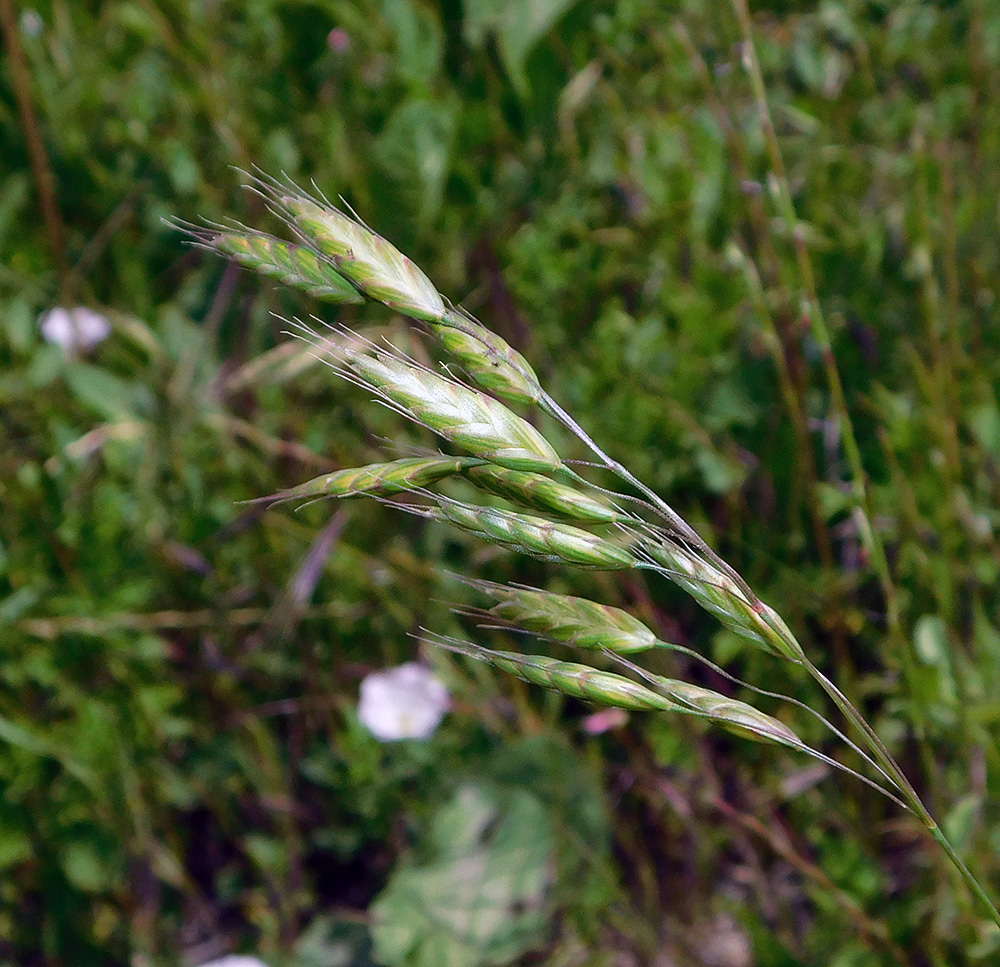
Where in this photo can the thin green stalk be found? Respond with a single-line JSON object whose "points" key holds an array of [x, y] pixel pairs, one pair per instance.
{"points": [[778, 340], [944, 400], [793, 404], [891, 768], [860, 495], [946, 353], [859, 490], [41, 168], [817, 322], [680, 526]]}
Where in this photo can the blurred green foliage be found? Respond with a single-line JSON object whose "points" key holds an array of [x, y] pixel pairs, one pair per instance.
{"points": [[182, 772]]}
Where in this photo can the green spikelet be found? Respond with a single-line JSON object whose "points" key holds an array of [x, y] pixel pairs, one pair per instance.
{"points": [[489, 360], [576, 680], [607, 688], [375, 266], [472, 420], [732, 715], [717, 593], [295, 265], [536, 536], [384, 274], [378, 479], [541, 493], [574, 621]]}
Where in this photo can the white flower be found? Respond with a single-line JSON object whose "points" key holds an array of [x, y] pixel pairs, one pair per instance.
{"points": [[235, 960], [76, 330], [407, 702], [31, 23]]}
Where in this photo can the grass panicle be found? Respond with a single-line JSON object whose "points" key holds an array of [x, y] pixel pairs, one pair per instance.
{"points": [[379, 270], [511, 459]]}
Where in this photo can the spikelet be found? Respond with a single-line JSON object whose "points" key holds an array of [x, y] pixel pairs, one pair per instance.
{"points": [[378, 479], [730, 713], [779, 635], [717, 593], [570, 678], [538, 492], [296, 265], [544, 539], [375, 266], [608, 688], [489, 360], [575, 621], [385, 275], [472, 420]]}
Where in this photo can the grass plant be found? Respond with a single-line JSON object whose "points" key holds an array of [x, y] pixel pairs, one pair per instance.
{"points": [[753, 252], [508, 456]]}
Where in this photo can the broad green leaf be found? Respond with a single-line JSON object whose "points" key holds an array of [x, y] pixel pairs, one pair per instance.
{"points": [[478, 897], [984, 421], [414, 149], [86, 868], [105, 393], [517, 24], [419, 39], [18, 323], [15, 847]]}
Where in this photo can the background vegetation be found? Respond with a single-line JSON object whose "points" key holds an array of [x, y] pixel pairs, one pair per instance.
{"points": [[181, 765]]}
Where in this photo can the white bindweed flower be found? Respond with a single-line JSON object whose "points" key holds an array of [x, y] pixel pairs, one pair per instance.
{"points": [[31, 23], [76, 330], [407, 702], [235, 960]]}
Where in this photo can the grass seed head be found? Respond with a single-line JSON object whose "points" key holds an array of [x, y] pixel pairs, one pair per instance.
{"points": [[384, 274]]}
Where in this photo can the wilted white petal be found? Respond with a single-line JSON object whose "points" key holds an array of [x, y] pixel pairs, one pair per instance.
{"points": [[407, 702], [76, 330]]}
